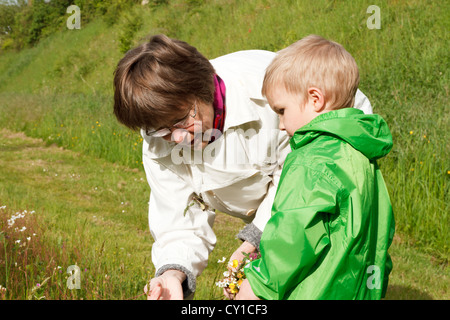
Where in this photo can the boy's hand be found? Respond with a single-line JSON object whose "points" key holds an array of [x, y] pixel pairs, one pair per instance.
{"points": [[167, 286], [246, 292]]}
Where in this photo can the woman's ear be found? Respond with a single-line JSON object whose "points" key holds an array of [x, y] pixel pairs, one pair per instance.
{"points": [[316, 99]]}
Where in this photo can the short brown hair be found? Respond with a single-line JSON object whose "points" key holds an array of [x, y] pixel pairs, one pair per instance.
{"points": [[315, 62], [158, 81]]}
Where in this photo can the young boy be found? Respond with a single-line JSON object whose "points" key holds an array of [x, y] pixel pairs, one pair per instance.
{"points": [[332, 220]]}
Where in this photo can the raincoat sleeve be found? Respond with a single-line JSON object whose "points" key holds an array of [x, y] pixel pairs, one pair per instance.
{"points": [[297, 235], [180, 226]]}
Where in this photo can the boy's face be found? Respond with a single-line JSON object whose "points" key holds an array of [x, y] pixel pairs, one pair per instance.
{"points": [[293, 113]]}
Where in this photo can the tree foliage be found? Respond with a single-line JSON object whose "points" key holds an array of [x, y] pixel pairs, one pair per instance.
{"points": [[23, 23]]}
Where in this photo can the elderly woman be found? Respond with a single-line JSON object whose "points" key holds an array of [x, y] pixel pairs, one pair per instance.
{"points": [[211, 142]]}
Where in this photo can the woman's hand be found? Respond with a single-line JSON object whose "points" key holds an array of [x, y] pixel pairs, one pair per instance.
{"points": [[246, 247], [167, 286]]}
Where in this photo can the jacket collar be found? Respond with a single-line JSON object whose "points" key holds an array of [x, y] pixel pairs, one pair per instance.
{"points": [[367, 133]]}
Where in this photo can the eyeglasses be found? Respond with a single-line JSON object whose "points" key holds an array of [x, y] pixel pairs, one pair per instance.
{"points": [[179, 125]]}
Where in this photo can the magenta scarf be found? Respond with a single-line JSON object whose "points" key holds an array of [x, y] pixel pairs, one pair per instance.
{"points": [[219, 105]]}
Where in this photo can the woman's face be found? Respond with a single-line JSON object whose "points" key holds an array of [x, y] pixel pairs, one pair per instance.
{"points": [[193, 133]]}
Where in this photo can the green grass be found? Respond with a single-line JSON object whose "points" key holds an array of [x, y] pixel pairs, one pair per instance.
{"points": [[61, 91], [92, 213], [89, 212]]}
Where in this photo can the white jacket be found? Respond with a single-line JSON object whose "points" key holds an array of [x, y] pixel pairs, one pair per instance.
{"points": [[237, 174]]}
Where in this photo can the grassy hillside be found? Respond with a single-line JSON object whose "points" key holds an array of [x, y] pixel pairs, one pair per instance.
{"points": [[61, 89]]}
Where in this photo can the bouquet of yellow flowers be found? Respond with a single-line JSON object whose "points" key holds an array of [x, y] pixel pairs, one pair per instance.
{"points": [[234, 275]]}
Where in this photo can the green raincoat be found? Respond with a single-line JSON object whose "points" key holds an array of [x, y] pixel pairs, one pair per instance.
{"points": [[332, 221]]}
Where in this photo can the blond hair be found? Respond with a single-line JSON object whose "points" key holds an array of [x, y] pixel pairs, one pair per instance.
{"points": [[315, 62]]}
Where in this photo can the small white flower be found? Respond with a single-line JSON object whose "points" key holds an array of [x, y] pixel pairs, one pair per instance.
{"points": [[17, 241], [226, 273], [28, 238], [221, 261]]}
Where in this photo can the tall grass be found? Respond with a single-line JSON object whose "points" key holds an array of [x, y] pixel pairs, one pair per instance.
{"points": [[36, 267], [88, 212], [61, 90]]}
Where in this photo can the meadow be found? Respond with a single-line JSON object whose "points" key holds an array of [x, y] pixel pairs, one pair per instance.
{"points": [[64, 156]]}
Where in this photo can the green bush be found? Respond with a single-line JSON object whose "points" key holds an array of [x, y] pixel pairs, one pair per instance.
{"points": [[130, 27], [28, 24]]}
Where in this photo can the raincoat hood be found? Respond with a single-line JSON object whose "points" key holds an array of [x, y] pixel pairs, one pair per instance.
{"points": [[367, 133]]}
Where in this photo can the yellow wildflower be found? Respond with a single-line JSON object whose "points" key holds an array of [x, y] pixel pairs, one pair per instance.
{"points": [[233, 288], [235, 263], [411, 132]]}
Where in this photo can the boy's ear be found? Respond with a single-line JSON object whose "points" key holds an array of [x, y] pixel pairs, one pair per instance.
{"points": [[316, 99]]}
